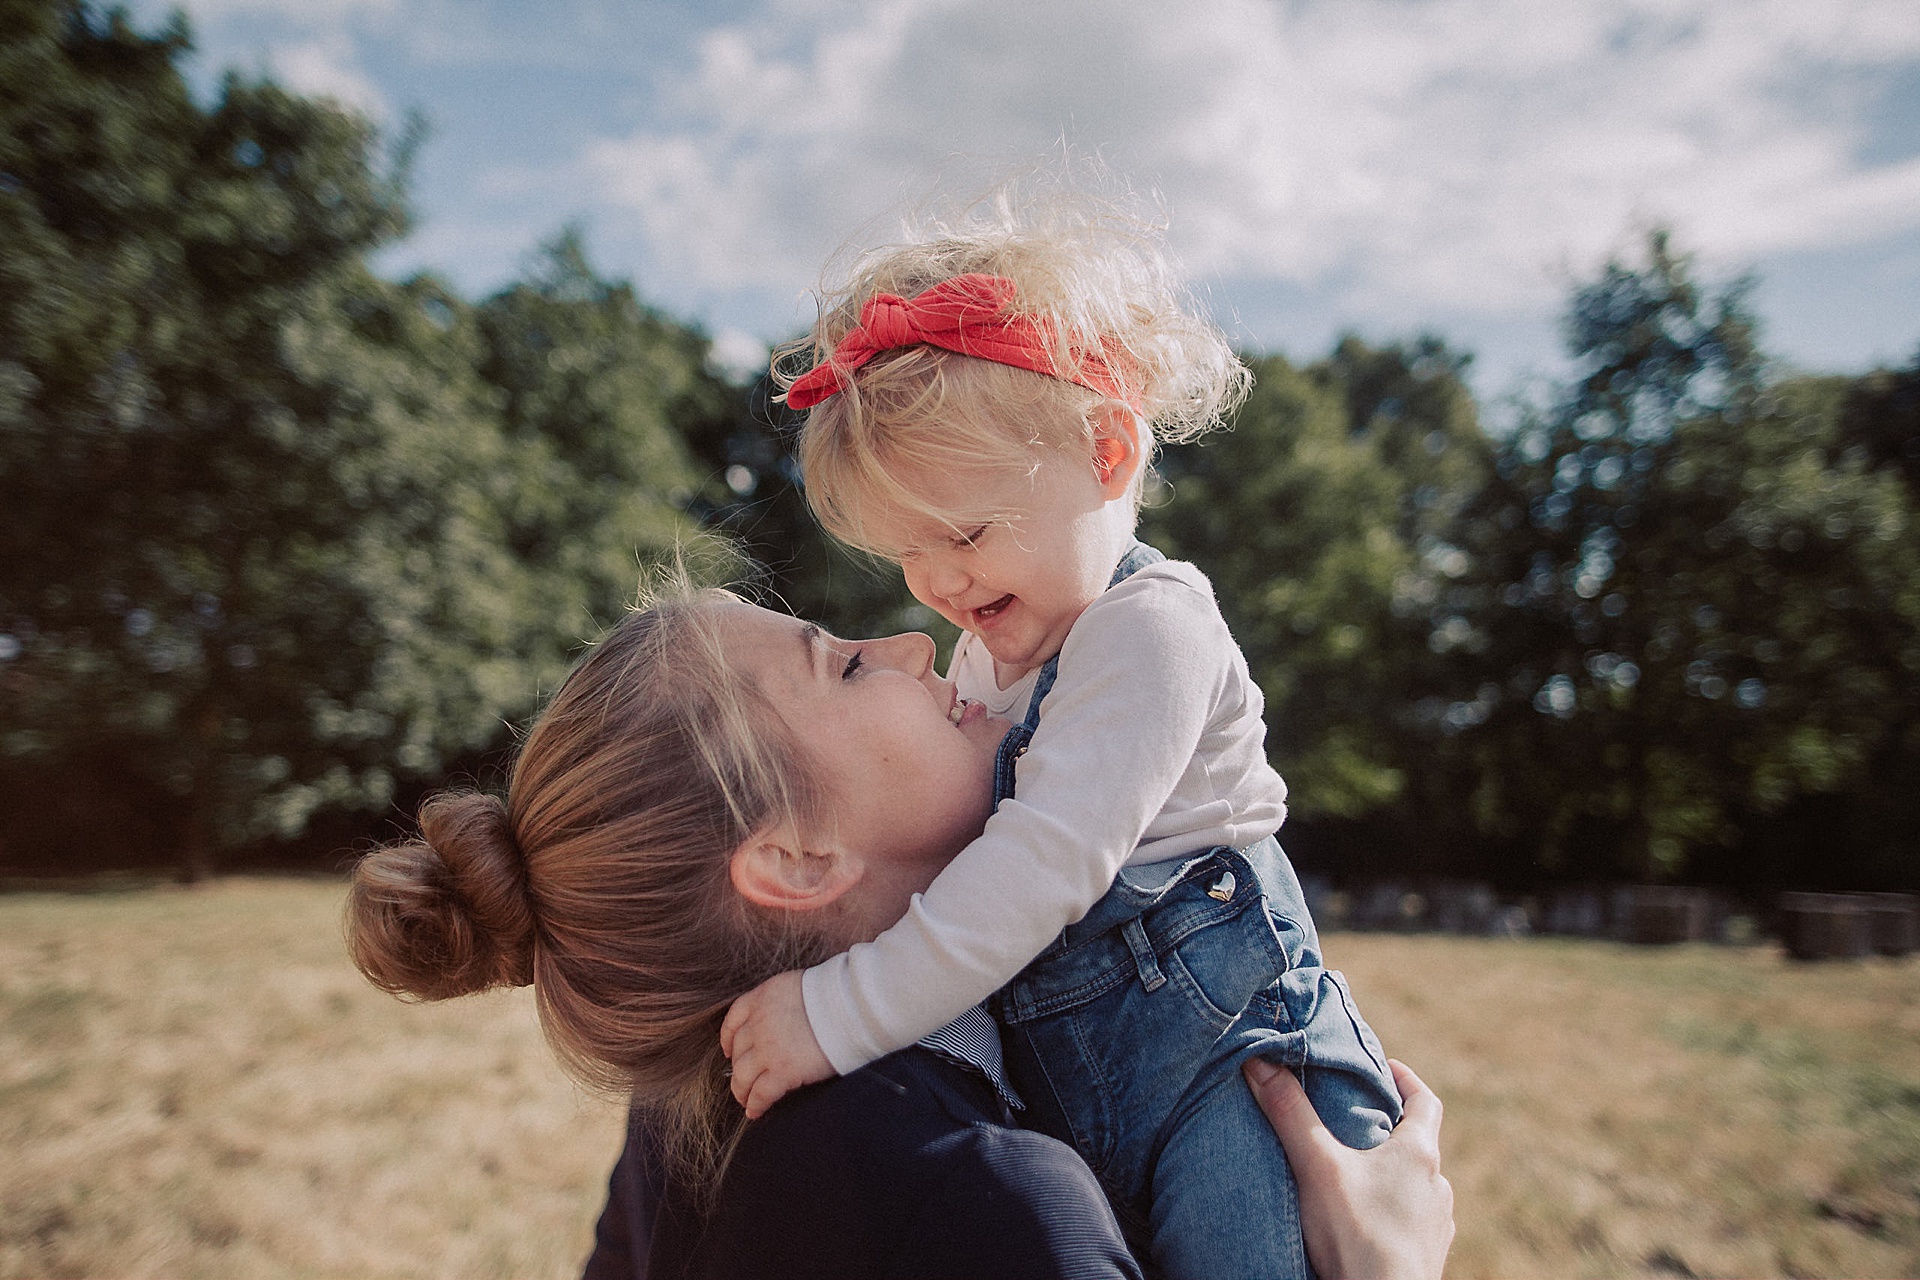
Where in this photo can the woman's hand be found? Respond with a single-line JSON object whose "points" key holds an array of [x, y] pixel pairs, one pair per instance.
{"points": [[1384, 1214], [767, 1036]]}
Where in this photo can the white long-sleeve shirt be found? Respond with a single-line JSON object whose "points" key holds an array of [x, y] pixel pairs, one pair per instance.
{"points": [[1150, 746]]}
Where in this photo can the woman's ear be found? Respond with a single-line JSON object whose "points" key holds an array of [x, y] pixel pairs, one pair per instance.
{"points": [[774, 869], [1117, 452]]}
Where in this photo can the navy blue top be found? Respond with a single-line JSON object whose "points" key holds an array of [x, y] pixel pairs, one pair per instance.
{"points": [[908, 1169]]}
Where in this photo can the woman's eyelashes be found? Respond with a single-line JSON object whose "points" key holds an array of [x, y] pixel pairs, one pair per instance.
{"points": [[971, 537], [853, 665]]}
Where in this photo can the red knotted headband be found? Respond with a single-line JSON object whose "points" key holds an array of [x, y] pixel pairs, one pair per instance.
{"points": [[967, 315]]}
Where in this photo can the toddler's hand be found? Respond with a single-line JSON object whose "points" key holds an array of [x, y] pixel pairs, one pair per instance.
{"points": [[767, 1036]]}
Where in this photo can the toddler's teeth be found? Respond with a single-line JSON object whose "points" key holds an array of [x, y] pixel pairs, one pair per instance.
{"points": [[959, 709]]}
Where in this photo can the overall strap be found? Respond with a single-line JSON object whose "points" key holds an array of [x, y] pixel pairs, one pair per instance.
{"points": [[1138, 557], [1014, 745]]}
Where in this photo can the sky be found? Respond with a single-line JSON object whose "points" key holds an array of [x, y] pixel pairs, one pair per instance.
{"points": [[1387, 167]]}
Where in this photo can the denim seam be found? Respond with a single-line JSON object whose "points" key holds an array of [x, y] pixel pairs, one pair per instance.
{"points": [[1029, 1008], [1353, 1016], [1195, 923], [1024, 1005], [1182, 977], [1192, 921], [1096, 1148], [1269, 998]]}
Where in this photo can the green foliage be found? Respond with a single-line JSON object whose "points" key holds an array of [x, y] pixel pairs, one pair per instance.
{"points": [[1316, 518], [1696, 617], [182, 459], [1880, 421], [1667, 628], [282, 539], [589, 386], [281, 535]]}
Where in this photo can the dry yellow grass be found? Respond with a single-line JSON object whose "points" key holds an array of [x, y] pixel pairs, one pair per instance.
{"points": [[1698, 1110], [196, 1083]]}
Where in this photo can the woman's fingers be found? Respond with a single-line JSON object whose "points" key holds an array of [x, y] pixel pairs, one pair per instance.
{"points": [[1420, 1106], [1291, 1114], [1386, 1212]]}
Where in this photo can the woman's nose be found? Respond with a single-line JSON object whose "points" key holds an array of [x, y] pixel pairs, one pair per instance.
{"points": [[910, 651]]}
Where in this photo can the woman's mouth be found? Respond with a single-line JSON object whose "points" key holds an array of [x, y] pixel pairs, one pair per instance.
{"points": [[965, 711]]}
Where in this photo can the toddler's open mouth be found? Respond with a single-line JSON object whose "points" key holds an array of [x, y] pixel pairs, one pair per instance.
{"points": [[993, 609]]}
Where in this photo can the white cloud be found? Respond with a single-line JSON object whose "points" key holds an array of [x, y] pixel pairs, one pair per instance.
{"points": [[306, 13], [308, 45], [328, 68], [738, 354], [1452, 153], [1386, 165]]}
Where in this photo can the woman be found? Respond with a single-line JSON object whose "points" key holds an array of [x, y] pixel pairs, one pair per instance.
{"points": [[716, 794]]}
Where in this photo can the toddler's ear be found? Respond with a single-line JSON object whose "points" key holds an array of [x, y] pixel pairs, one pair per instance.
{"points": [[1117, 453]]}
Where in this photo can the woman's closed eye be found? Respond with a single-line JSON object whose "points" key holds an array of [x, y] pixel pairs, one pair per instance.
{"points": [[970, 537], [853, 665]]}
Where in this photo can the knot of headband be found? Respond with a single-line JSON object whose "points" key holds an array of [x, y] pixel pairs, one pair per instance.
{"points": [[967, 314]]}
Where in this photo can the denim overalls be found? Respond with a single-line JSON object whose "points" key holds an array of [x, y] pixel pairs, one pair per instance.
{"points": [[1125, 1038]]}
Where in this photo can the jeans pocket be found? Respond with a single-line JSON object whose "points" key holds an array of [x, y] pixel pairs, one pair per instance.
{"points": [[1224, 965], [1207, 1005]]}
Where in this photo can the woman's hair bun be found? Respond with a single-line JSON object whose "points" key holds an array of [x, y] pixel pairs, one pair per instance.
{"points": [[447, 914]]}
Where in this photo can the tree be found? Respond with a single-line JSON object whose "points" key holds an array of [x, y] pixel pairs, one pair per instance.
{"points": [[591, 388], [1315, 518], [1695, 616], [757, 498], [1880, 419], [231, 459], [1864, 832]]}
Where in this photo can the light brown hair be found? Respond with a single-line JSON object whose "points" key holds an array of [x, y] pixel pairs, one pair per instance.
{"points": [[603, 877]]}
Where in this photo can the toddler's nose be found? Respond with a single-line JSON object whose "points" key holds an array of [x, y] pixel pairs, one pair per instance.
{"points": [[946, 579]]}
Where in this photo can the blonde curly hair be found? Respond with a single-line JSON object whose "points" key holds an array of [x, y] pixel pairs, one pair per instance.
{"points": [[1093, 275]]}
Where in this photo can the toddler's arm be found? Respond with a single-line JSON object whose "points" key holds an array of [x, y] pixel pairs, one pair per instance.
{"points": [[1144, 673]]}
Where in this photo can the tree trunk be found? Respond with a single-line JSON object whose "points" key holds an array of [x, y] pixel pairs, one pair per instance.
{"points": [[196, 842], [196, 850]]}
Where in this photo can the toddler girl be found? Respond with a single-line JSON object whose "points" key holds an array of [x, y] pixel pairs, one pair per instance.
{"points": [[983, 410]]}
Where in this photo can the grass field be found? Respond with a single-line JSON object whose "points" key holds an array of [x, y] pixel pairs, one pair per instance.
{"points": [[196, 1083]]}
